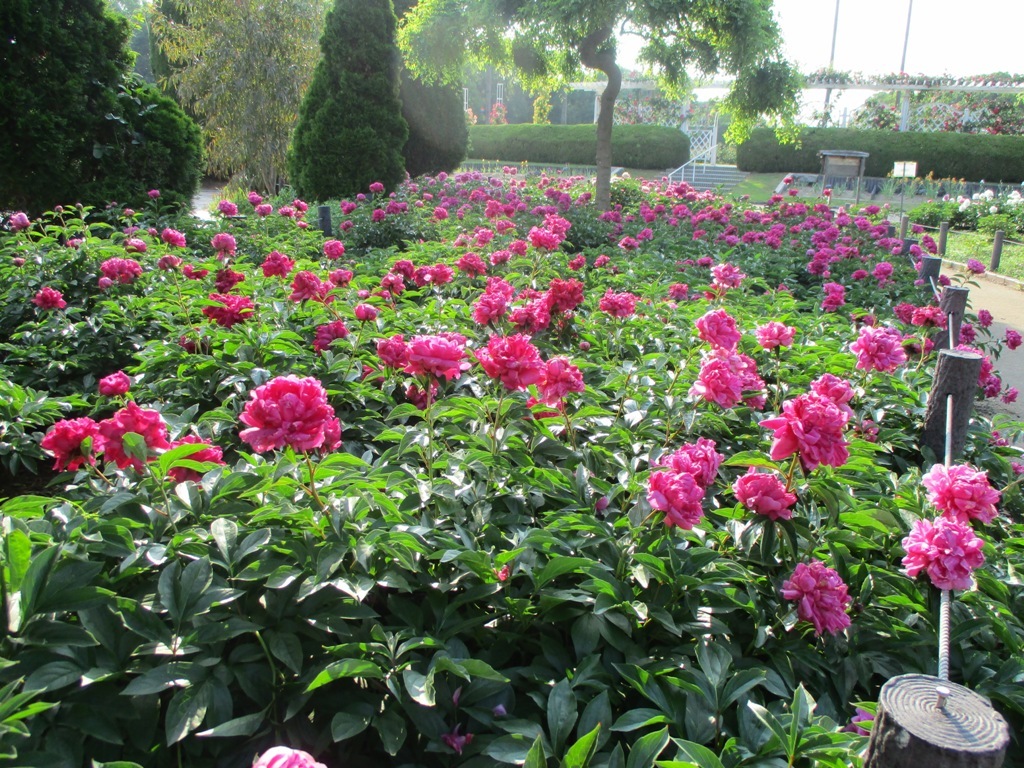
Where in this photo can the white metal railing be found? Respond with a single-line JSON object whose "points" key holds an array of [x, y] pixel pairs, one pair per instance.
{"points": [[703, 152]]}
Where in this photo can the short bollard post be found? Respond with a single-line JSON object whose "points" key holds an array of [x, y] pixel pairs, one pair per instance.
{"points": [[943, 234], [930, 269], [956, 374], [904, 226], [953, 305], [324, 220], [997, 250], [926, 721]]}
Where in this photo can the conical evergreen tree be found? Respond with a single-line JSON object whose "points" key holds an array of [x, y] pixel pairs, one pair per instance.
{"points": [[438, 134], [350, 131]]}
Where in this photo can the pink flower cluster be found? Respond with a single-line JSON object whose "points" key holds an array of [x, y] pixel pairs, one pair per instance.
{"points": [[290, 411], [718, 328], [811, 426], [764, 494], [772, 335], [285, 757], [437, 356], [947, 549], [879, 348], [961, 493], [513, 360], [618, 304], [121, 270], [228, 310], [49, 298], [679, 488], [725, 377], [820, 595]]}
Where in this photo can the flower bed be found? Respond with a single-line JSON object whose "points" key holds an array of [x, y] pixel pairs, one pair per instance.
{"points": [[488, 478]]}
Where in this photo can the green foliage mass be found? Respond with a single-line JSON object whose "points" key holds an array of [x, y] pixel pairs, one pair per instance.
{"points": [[944, 155], [438, 134], [633, 146], [351, 131], [75, 126]]}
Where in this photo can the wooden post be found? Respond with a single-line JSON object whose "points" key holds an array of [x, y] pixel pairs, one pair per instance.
{"points": [[907, 242], [904, 225], [930, 269], [943, 234], [926, 722], [997, 250], [953, 304], [956, 374], [324, 220]]}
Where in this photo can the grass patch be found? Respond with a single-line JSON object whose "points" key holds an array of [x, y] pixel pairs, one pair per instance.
{"points": [[961, 246]]}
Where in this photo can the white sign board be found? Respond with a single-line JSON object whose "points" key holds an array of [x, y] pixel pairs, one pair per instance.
{"points": [[904, 170]]}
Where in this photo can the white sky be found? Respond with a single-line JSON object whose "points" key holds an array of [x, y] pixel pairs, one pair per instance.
{"points": [[954, 37]]}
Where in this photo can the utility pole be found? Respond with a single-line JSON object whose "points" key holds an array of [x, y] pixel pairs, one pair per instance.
{"points": [[831, 62], [904, 98]]}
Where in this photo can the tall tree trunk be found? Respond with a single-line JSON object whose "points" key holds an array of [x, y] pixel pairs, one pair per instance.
{"points": [[604, 60]]}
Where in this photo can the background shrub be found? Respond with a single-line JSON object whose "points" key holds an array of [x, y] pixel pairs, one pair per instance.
{"points": [[943, 155], [633, 146], [351, 131]]}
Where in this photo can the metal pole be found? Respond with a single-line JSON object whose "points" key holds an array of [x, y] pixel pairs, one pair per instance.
{"points": [[831, 62], [943, 235], [944, 605], [905, 95]]}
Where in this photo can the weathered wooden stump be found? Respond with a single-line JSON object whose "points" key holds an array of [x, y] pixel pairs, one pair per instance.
{"points": [[953, 305], [930, 269], [926, 722], [956, 374]]}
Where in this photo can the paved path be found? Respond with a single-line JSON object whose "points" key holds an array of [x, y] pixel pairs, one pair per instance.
{"points": [[1004, 298]]}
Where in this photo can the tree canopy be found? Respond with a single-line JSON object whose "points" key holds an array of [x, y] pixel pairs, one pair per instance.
{"points": [[552, 40], [243, 66]]}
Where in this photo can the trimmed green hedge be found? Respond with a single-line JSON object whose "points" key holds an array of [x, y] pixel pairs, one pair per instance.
{"points": [[633, 146], [945, 155]]}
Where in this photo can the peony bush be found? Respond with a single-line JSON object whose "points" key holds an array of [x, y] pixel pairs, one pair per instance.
{"points": [[485, 477]]}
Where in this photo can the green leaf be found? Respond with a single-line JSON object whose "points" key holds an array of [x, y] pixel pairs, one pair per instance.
{"points": [[700, 755], [535, 758], [286, 648], [352, 720], [635, 719], [562, 714], [35, 579], [246, 725], [647, 748], [598, 712], [772, 722], [135, 446], [346, 668], [581, 753], [17, 558], [558, 566], [739, 684], [53, 676], [225, 533], [511, 749], [172, 675], [391, 727], [419, 687], [714, 660], [185, 711]]}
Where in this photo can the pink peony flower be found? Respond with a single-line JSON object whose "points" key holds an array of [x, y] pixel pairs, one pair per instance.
{"points": [[812, 426], [618, 304], [699, 460], [365, 313], [327, 333], [284, 757], [229, 310], [115, 385], [149, 424], [227, 279], [1013, 338], [306, 285], [564, 295], [227, 208], [290, 411], [277, 265], [334, 249], [72, 442], [678, 495], [376, 187], [820, 595], [834, 388], [984, 318], [393, 352], [224, 244], [264, 209], [436, 356], [168, 262], [764, 494], [975, 267], [19, 221], [513, 360], [49, 298], [879, 348], [558, 379], [210, 454], [718, 328], [718, 382], [961, 493], [947, 549], [772, 335], [121, 270], [173, 238]]}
